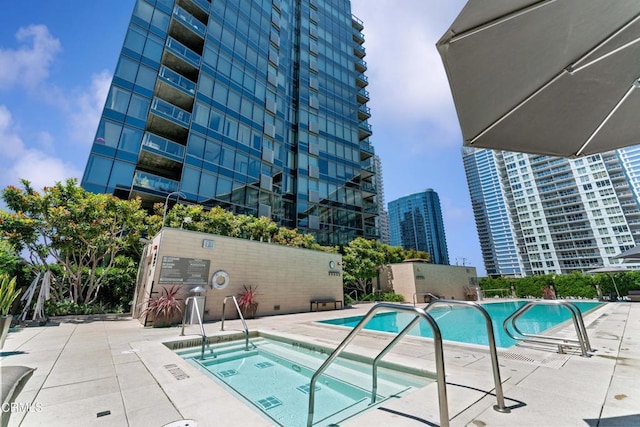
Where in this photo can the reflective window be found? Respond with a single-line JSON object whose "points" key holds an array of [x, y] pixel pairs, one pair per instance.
{"points": [[98, 169], [146, 77], [127, 69], [121, 175], [135, 40], [118, 99], [208, 185], [195, 146], [139, 107], [108, 133], [130, 140]]}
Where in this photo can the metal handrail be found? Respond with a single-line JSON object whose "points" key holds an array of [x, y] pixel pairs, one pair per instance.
{"points": [[500, 406], [184, 319], [581, 342], [246, 329], [415, 295], [437, 342]]}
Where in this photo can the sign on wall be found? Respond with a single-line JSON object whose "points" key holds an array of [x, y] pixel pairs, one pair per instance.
{"points": [[184, 271]]}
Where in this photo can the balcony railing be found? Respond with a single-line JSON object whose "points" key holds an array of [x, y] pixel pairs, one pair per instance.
{"points": [[153, 182], [366, 146], [177, 80], [189, 21], [203, 4], [163, 108], [183, 52], [163, 145]]}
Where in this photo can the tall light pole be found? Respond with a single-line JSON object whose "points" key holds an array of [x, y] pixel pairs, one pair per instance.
{"points": [[166, 202]]}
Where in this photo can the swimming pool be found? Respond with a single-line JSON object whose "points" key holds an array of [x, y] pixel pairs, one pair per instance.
{"points": [[465, 324], [283, 371]]}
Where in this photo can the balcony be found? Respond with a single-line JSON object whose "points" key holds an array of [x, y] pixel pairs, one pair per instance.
{"points": [[362, 96], [171, 112], [148, 182], [161, 153], [362, 80], [361, 65], [369, 210], [358, 37], [197, 8], [364, 129], [366, 150], [176, 89], [186, 28], [364, 112], [357, 23], [367, 168], [368, 187], [168, 121], [181, 59], [371, 232], [359, 51]]}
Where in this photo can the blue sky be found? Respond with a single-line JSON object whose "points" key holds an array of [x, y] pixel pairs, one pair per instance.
{"points": [[57, 59]]}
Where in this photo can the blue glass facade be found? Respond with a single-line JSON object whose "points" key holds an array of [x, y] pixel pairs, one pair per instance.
{"points": [[258, 106], [415, 222], [490, 210]]}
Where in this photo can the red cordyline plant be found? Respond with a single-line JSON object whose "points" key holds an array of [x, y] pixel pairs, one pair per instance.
{"points": [[247, 297], [165, 307]]}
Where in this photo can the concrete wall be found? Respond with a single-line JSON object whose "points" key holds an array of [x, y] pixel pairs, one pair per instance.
{"points": [[286, 278], [445, 281]]}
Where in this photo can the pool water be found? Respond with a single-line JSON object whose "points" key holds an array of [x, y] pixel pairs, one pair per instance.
{"points": [[283, 372], [466, 324]]}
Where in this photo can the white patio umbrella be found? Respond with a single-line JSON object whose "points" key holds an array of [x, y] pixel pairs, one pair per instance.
{"points": [[553, 77]]}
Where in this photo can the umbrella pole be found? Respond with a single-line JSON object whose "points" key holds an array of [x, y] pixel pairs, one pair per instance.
{"points": [[616, 287]]}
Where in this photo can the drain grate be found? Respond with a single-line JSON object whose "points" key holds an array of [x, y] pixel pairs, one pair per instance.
{"points": [[269, 402], [176, 372], [518, 357], [263, 365], [227, 373], [305, 388]]}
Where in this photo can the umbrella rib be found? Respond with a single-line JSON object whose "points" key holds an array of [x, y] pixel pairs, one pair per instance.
{"points": [[500, 20], [574, 68], [516, 108], [606, 119]]}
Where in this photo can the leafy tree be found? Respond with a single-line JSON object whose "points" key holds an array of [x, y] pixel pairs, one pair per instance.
{"points": [[81, 231], [361, 261]]}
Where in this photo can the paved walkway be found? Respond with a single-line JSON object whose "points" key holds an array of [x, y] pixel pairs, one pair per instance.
{"points": [[112, 371]]}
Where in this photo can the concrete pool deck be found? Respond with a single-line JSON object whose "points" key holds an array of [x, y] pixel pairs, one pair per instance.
{"points": [[111, 371]]}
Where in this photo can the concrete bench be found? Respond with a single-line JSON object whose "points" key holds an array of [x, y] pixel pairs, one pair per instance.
{"points": [[634, 295], [324, 302]]}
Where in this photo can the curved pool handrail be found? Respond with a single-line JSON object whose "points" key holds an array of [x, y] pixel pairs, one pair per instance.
{"points": [[244, 324], [495, 365], [581, 342], [415, 296], [184, 319], [437, 342]]}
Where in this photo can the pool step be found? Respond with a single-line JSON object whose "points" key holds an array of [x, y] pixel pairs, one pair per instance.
{"points": [[219, 349]]}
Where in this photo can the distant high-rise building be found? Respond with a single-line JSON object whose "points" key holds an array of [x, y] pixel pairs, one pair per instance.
{"points": [[383, 216], [543, 215], [258, 106], [415, 222]]}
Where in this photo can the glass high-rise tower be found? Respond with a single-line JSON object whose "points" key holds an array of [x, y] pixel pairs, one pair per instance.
{"points": [[415, 222], [259, 106]]}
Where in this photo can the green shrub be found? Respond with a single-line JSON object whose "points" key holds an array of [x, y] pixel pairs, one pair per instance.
{"points": [[347, 300]]}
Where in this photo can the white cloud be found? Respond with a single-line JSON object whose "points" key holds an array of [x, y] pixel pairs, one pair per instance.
{"points": [[85, 108], [35, 165], [408, 83], [29, 64]]}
